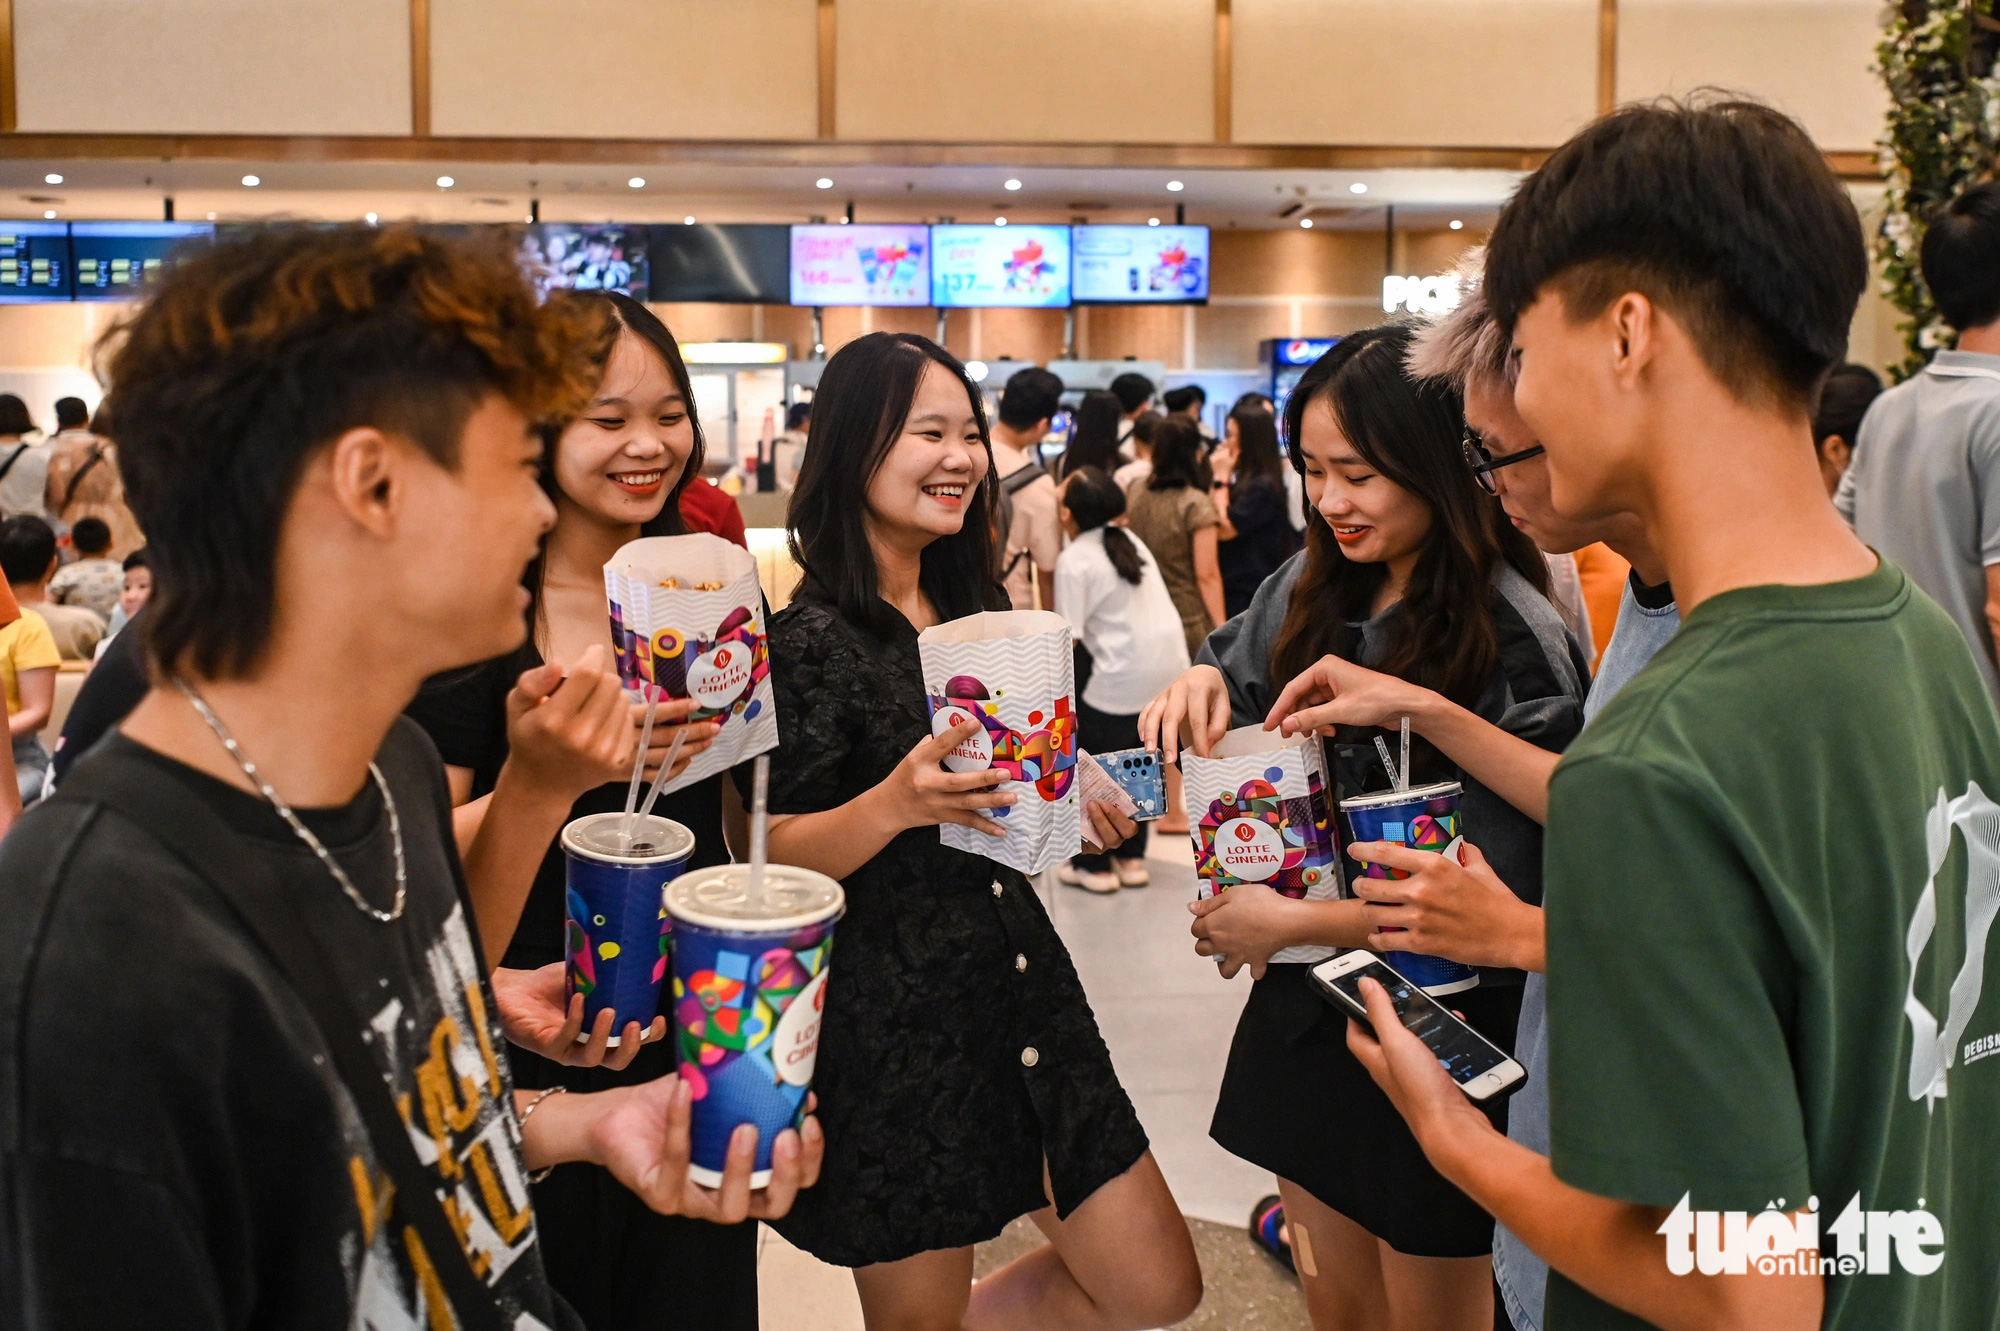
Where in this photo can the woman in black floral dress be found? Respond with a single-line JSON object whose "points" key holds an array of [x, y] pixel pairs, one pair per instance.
{"points": [[961, 1078]]}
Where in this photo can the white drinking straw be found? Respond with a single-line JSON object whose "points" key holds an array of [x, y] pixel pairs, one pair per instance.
{"points": [[660, 780], [760, 786], [1388, 763], [1403, 772], [638, 771]]}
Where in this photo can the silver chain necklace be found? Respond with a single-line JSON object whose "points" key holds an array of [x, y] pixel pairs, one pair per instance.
{"points": [[303, 832]]}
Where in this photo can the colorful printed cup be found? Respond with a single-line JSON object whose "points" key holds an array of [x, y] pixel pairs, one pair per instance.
{"points": [[749, 990], [615, 937], [1422, 818]]}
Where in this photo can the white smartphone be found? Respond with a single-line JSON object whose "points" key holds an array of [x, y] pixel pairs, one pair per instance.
{"points": [[1481, 1068]]}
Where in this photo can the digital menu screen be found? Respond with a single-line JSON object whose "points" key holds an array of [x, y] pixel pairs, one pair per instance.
{"points": [[1000, 265], [732, 263], [124, 260], [861, 265], [34, 262], [587, 256], [1140, 264]]}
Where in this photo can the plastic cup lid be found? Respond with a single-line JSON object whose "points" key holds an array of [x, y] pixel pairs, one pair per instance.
{"points": [[655, 840], [719, 898], [1414, 793]]}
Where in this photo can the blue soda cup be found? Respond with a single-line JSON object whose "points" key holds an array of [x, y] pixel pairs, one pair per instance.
{"points": [[750, 973], [615, 934], [1422, 818]]}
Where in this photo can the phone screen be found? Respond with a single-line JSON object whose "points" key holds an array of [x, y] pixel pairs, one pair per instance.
{"points": [[1464, 1054]]}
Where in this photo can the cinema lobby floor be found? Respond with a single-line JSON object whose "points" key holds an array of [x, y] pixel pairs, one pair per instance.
{"points": [[1168, 1018]]}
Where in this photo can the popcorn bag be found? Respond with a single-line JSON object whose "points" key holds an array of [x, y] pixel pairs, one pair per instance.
{"points": [[1259, 813], [1012, 671], [687, 621]]}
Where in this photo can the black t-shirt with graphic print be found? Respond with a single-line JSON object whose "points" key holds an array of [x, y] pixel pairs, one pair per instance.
{"points": [[175, 1149]]}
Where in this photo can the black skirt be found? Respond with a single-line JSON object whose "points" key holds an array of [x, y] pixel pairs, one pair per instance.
{"points": [[1296, 1102]]}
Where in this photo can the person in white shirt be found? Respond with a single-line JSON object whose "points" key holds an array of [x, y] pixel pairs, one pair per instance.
{"points": [[24, 460], [1034, 533], [1135, 394], [1118, 607], [1141, 465]]}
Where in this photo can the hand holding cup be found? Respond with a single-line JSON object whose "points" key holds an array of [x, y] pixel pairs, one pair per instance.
{"points": [[535, 1015]]}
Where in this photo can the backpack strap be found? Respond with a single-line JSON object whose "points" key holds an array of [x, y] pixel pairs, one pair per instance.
{"points": [[166, 808], [1021, 478], [96, 456], [12, 458]]}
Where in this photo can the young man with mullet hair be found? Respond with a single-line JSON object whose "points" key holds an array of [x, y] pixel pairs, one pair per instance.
{"points": [[245, 1029], [1771, 860]]}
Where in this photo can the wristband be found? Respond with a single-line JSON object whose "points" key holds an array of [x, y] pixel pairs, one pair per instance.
{"points": [[534, 1104]]}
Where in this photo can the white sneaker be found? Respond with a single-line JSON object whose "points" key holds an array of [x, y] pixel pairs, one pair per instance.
{"points": [[1090, 882], [1131, 873]]}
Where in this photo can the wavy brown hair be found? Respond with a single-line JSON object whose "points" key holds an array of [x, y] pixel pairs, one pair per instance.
{"points": [[258, 353], [1408, 430]]}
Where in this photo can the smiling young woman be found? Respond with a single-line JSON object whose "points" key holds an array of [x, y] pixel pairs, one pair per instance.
{"points": [[961, 1077], [615, 472]]}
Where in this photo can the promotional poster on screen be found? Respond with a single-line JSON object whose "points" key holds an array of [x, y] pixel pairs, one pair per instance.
{"points": [[1000, 265], [1117, 265], [584, 256], [861, 265]]}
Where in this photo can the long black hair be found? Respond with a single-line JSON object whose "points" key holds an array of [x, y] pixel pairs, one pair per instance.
{"points": [[1409, 430], [1179, 460], [1257, 453], [619, 313], [1094, 441], [864, 397], [1094, 500]]}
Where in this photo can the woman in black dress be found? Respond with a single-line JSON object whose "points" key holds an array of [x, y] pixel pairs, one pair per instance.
{"points": [[615, 473], [1255, 534], [1412, 570], [961, 1078]]}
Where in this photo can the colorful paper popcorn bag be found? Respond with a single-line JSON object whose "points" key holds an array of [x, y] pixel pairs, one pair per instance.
{"points": [[687, 621], [1012, 671], [1259, 813]]}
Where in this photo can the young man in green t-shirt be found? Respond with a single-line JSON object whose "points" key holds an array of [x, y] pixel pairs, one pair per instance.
{"points": [[1773, 860]]}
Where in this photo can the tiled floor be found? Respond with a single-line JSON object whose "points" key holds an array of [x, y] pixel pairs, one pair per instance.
{"points": [[1167, 1017]]}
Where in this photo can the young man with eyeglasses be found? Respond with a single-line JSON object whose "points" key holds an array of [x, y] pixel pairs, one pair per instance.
{"points": [[1466, 913], [251, 1056], [1771, 861]]}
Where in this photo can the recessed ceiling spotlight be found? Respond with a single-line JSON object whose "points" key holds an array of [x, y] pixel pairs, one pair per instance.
{"points": [[999, 221], [1306, 222], [1011, 184], [373, 219], [50, 214], [637, 182], [211, 217], [688, 220], [1152, 221], [446, 182], [1175, 187], [1457, 225], [824, 182], [253, 181], [1357, 188], [53, 178]]}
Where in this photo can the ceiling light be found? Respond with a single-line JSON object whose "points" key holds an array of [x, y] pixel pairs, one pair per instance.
{"points": [[50, 214], [1175, 187], [373, 219], [1306, 222], [1457, 225], [824, 182], [53, 178], [1011, 184], [999, 221], [688, 220], [1152, 221], [253, 181], [637, 182], [1357, 188], [211, 217], [446, 182]]}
